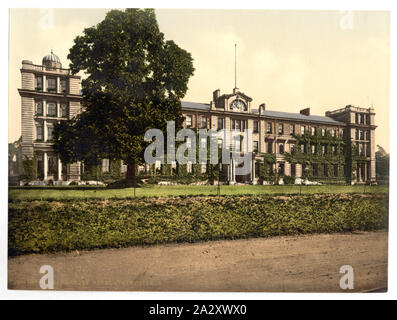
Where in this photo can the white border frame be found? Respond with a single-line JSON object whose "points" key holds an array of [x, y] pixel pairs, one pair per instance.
{"points": [[230, 4]]}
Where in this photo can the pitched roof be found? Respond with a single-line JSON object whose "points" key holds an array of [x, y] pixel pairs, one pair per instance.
{"points": [[298, 116], [195, 105], [269, 113]]}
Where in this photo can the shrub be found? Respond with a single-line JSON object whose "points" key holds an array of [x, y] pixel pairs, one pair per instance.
{"points": [[50, 226]]}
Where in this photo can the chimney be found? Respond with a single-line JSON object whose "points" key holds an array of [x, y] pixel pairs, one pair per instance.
{"points": [[216, 94], [262, 107], [305, 112]]}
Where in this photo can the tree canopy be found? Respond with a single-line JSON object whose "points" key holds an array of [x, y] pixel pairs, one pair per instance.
{"points": [[382, 161], [135, 81]]}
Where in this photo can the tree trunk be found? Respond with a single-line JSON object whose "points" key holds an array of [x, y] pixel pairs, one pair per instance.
{"points": [[131, 173]]}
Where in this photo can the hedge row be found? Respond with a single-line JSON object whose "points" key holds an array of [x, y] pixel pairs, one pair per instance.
{"points": [[50, 226]]}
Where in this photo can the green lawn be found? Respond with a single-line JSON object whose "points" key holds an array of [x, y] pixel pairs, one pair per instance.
{"points": [[184, 190]]}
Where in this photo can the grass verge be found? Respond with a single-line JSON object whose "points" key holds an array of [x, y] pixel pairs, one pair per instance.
{"points": [[183, 190]]}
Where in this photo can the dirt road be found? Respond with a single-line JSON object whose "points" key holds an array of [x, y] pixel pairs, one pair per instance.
{"points": [[280, 264]]}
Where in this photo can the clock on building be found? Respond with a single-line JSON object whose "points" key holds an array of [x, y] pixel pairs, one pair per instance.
{"points": [[238, 105]]}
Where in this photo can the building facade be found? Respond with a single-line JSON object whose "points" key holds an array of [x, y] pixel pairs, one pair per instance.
{"points": [[49, 94], [339, 146]]}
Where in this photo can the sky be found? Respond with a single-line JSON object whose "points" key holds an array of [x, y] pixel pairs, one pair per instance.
{"points": [[289, 60]]}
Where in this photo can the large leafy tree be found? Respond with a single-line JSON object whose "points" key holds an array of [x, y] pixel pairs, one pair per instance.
{"points": [[382, 161], [135, 81]]}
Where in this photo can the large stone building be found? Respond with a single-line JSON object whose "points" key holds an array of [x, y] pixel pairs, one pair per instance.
{"points": [[49, 94], [342, 141]]}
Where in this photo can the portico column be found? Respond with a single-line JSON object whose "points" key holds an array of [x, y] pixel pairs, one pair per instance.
{"points": [[59, 169], [45, 159], [58, 86]]}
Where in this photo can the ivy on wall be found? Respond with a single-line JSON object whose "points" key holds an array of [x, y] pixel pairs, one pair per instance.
{"points": [[29, 169], [320, 154]]}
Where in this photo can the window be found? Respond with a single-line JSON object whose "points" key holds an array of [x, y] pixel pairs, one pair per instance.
{"points": [[64, 110], [255, 146], [302, 130], [51, 84], [302, 148], [50, 133], [323, 149], [236, 125], [343, 133], [269, 147], [39, 108], [280, 128], [51, 109], [256, 126], [269, 127], [189, 121], [237, 144], [313, 149], [357, 121], [357, 134], [313, 131], [245, 124], [362, 118], [361, 135], [367, 136], [281, 148], [292, 129], [325, 170], [63, 85], [367, 119], [323, 132], [336, 169], [39, 83], [292, 148], [315, 170], [203, 122], [293, 169], [105, 165], [39, 132], [281, 167], [220, 123]]}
